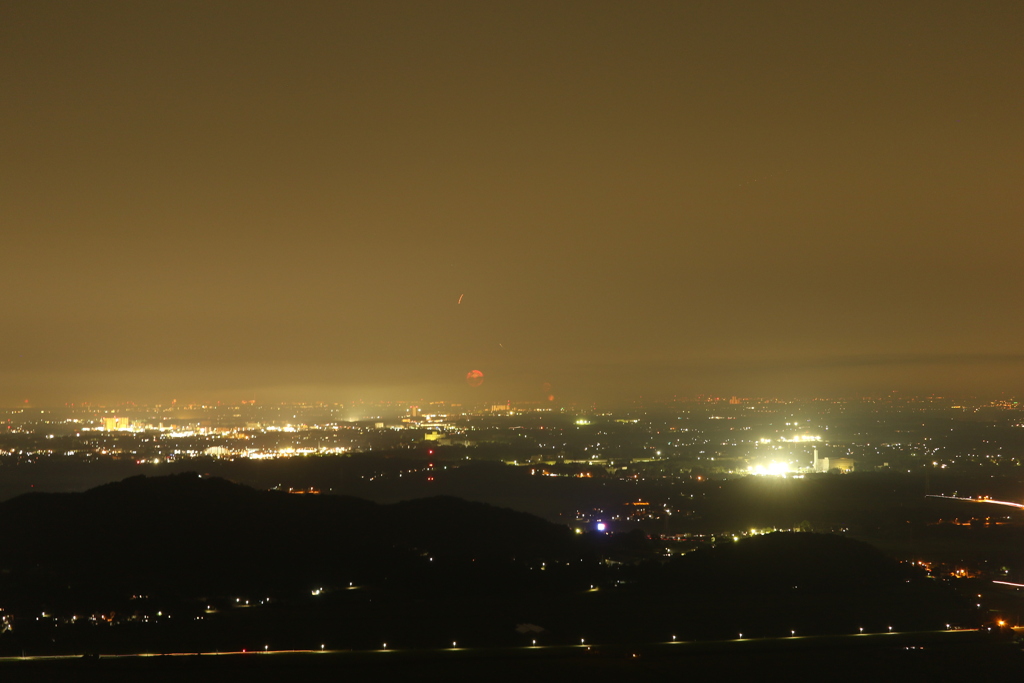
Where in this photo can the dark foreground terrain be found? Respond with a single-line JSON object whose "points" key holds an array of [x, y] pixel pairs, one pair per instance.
{"points": [[192, 564], [929, 656]]}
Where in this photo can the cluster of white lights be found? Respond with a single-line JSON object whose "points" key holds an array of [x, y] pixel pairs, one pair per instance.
{"points": [[775, 468]]}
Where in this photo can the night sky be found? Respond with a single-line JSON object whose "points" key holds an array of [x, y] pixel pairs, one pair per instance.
{"points": [[287, 200]]}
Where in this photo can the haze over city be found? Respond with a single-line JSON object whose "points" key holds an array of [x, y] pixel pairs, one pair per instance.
{"points": [[521, 340], [584, 200]]}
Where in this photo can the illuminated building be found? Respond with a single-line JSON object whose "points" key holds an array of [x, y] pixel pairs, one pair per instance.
{"points": [[112, 424], [820, 464]]}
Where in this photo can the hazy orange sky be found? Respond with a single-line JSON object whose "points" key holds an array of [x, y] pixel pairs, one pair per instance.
{"points": [[287, 199]]}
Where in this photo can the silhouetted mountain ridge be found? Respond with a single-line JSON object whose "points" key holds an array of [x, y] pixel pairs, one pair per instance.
{"points": [[201, 547], [785, 560], [190, 535]]}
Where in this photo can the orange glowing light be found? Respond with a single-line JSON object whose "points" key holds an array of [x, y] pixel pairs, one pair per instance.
{"points": [[474, 378]]}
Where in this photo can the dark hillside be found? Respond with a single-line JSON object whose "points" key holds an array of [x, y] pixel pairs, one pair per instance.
{"points": [[185, 536], [174, 562]]}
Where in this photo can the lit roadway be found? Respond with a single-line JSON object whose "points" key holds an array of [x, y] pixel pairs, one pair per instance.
{"points": [[980, 500], [656, 648]]}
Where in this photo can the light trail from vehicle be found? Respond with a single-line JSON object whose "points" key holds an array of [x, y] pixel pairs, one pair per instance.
{"points": [[979, 500]]}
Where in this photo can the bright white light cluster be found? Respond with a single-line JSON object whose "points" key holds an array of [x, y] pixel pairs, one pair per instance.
{"points": [[775, 468]]}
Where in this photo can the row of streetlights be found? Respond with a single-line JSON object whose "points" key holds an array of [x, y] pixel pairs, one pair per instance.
{"points": [[583, 642]]}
